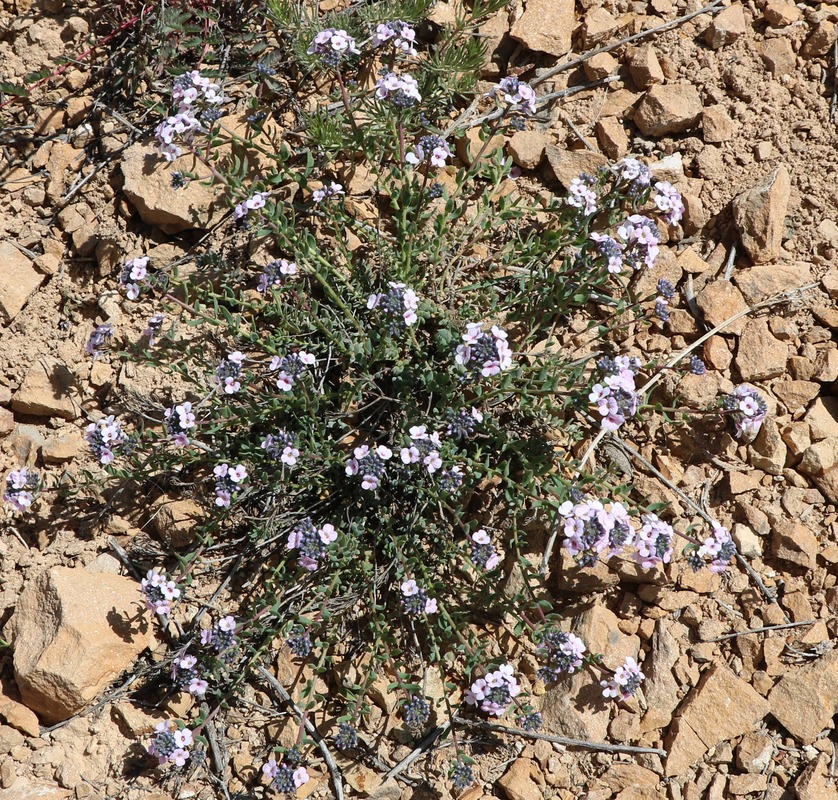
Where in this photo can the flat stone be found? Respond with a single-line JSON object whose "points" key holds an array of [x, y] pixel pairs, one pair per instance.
{"points": [[47, 390], [760, 355], [816, 781], [644, 67], [73, 633], [819, 457], [821, 41], [670, 108], [721, 707], [546, 26], [822, 419], [716, 125], [806, 698], [61, 447], [25, 789], [719, 301], [767, 280], [794, 542], [598, 27], [148, 186], [612, 137], [15, 713], [600, 66], [570, 164], [726, 27], [779, 56], [527, 147], [796, 395], [779, 14], [760, 213], [517, 782], [20, 280]]}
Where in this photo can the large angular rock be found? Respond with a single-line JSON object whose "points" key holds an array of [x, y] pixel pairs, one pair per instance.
{"points": [[546, 26], [175, 520], [719, 301], [720, 708], [671, 108], [766, 280], [47, 391], [759, 355], [19, 280], [570, 164], [806, 698], [726, 27], [760, 213], [148, 185], [73, 633], [517, 782]]}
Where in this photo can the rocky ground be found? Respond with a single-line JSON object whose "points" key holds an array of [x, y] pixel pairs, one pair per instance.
{"points": [[735, 107]]}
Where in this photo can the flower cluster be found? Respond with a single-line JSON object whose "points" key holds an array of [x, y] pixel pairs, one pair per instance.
{"points": [[221, 636], [98, 339], [718, 547], [178, 421], [581, 194], [748, 409], [228, 481], [159, 591], [530, 721], [483, 552], [399, 306], [290, 368], [562, 652], [134, 271], [400, 33], [369, 464], [625, 682], [311, 542], [299, 641], [333, 44], [186, 675], [642, 241], [319, 195], [516, 95], [424, 447], [105, 438], [346, 737], [191, 91], [669, 203], [653, 542], [636, 174], [153, 328], [610, 249], [253, 203], [416, 711], [433, 149], [285, 778], [416, 600], [484, 353], [171, 744], [282, 446], [21, 486], [228, 372], [401, 90], [666, 292], [591, 528], [461, 423], [275, 274], [616, 397], [494, 693], [462, 774], [697, 366]]}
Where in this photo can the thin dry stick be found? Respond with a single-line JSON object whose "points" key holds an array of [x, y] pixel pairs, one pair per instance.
{"points": [[337, 778], [603, 747], [771, 301], [575, 62], [762, 630], [422, 747]]}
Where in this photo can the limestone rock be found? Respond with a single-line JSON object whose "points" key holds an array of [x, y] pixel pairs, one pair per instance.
{"points": [[716, 125], [148, 185], [527, 148], [19, 280], [816, 782], [754, 752], [546, 26], [671, 108], [820, 457], [517, 782], [721, 707], [569, 164], [600, 66], [726, 27], [822, 419], [759, 355], [769, 451], [779, 14], [719, 301], [61, 447], [47, 391], [759, 214], [821, 40], [612, 137], [766, 280], [793, 542], [644, 67], [796, 395], [746, 540], [779, 57], [599, 26], [175, 520], [15, 713], [25, 789], [73, 632], [806, 698]]}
